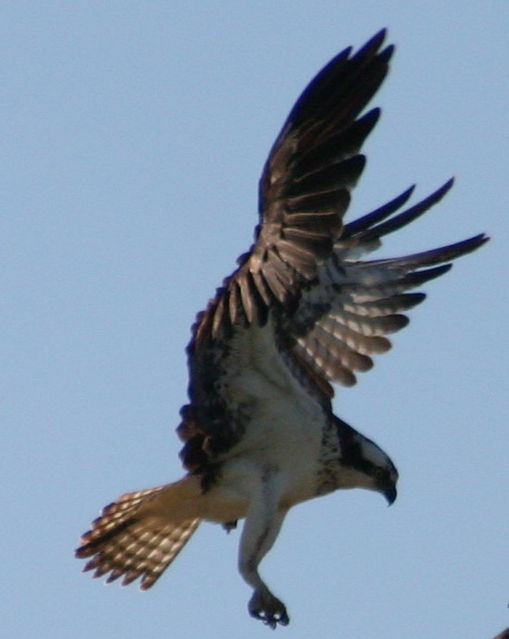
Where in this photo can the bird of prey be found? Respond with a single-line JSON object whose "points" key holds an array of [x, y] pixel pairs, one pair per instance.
{"points": [[303, 309]]}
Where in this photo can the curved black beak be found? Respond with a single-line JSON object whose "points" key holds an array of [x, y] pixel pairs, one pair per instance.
{"points": [[390, 494]]}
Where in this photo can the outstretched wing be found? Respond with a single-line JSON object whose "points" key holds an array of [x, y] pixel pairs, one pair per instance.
{"points": [[345, 313], [331, 309], [304, 189]]}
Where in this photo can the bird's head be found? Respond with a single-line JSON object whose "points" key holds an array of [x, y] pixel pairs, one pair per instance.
{"points": [[365, 465]]}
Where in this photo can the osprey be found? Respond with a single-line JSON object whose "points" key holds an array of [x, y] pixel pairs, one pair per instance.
{"points": [[302, 310]]}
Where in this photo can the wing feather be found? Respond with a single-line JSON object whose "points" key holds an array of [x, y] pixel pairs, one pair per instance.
{"points": [[352, 304], [304, 188]]}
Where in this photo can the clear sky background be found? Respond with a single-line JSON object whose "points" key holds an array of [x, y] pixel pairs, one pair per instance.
{"points": [[133, 135]]}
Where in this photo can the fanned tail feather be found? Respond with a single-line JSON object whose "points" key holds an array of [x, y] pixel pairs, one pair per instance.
{"points": [[139, 535]]}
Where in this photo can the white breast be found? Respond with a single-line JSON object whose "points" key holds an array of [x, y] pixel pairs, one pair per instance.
{"points": [[284, 429]]}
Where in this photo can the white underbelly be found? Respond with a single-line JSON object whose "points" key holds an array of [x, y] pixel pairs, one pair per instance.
{"points": [[283, 429], [243, 478]]}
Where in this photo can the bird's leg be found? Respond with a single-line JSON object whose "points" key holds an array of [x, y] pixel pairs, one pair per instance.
{"points": [[262, 525]]}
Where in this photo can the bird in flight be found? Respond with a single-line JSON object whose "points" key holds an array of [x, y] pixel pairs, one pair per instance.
{"points": [[303, 309]]}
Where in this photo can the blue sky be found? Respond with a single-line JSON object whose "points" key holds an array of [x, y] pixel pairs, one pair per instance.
{"points": [[133, 135]]}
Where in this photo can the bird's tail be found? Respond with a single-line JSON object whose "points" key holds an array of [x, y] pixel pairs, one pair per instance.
{"points": [[140, 533]]}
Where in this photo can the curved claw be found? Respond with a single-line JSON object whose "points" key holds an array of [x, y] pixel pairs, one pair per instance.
{"points": [[269, 609], [230, 525]]}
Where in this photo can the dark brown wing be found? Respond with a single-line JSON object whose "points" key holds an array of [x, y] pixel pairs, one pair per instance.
{"points": [[304, 189], [304, 192]]}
